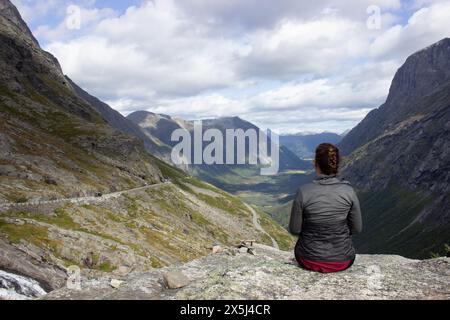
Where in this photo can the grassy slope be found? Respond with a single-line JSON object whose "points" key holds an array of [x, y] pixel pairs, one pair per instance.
{"points": [[272, 194], [153, 228], [392, 225], [46, 140], [269, 224]]}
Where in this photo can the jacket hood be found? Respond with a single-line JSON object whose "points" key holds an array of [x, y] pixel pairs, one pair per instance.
{"points": [[330, 180]]}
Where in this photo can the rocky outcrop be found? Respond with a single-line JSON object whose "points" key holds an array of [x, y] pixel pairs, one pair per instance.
{"points": [[15, 287], [271, 274], [21, 261], [126, 231]]}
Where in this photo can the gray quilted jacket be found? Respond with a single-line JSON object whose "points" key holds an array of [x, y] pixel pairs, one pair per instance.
{"points": [[324, 215]]}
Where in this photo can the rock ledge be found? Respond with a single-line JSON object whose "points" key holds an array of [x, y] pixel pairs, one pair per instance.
{"points": [[271, 274]]}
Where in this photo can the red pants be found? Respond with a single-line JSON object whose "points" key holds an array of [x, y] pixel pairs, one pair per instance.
{"points": [[325, 267]]}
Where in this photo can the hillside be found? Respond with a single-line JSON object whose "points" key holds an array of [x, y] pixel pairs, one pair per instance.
{"points": [[399, 159], [79, 188], [269, 274]]}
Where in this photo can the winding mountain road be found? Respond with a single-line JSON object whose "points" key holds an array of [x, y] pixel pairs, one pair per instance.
{"points": [[113, 195], [259, 227], [81, 200]]}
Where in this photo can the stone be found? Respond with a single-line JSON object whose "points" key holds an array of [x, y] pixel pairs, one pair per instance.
{"points": [[123, 270], [175, 280], [217, 249], [243, 250], [116, 283]]}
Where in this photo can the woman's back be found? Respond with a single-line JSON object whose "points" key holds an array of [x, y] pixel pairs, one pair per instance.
{"points": [[325, 214]]}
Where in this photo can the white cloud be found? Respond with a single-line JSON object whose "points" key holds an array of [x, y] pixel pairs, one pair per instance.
{"points": [[426, 26], [149, 49], [298, 64], [31, 10], [88, 18]]}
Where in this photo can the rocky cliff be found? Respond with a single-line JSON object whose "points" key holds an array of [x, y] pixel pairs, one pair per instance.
{"points": [[424, 73], [271, 274], [400, 159]]}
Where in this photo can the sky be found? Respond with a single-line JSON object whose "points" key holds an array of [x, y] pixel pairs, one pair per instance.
{"points": [[287, 65]]}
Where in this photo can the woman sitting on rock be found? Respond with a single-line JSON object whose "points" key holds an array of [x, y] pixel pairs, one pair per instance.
{"points": [[325, 214]]}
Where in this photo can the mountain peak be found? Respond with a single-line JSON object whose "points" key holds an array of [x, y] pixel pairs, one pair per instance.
{"points": [[10, 12], [423, 72]]}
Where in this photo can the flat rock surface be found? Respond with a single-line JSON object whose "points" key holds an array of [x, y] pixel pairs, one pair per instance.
{"points": [[271, 274], [175, 280]]}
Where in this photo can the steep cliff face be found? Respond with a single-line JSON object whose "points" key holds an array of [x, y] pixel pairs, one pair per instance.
{"points": [[119, 122], [400, 159], [424, 73], [271, 274]]}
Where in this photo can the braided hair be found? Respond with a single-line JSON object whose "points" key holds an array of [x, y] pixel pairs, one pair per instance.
{"points": [[327, 158]]}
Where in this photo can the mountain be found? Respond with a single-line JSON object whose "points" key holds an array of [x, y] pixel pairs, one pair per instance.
{"points": [[51, 139], [423, 73], [398, 157], [304, 145], [267, 192], [160, 128], [345, 133], [79, 189]]}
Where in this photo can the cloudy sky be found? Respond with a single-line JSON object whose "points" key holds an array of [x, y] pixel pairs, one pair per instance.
{"points": [[288, 65]]}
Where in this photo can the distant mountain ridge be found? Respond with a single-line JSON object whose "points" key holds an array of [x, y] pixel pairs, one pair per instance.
{"points": [[304, 144], [160, 128]]}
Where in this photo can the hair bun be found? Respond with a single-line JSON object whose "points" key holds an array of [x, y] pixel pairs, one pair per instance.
{"points": [[327, 158]]}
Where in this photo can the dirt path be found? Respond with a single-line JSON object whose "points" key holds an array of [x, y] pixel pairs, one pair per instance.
{"points": [[259, 227]]}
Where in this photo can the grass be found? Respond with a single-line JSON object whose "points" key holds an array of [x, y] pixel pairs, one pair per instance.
{"points": [[68, 127], [391, 225], [31, 233], [4, 91], [282, 237], [106, 267]]}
